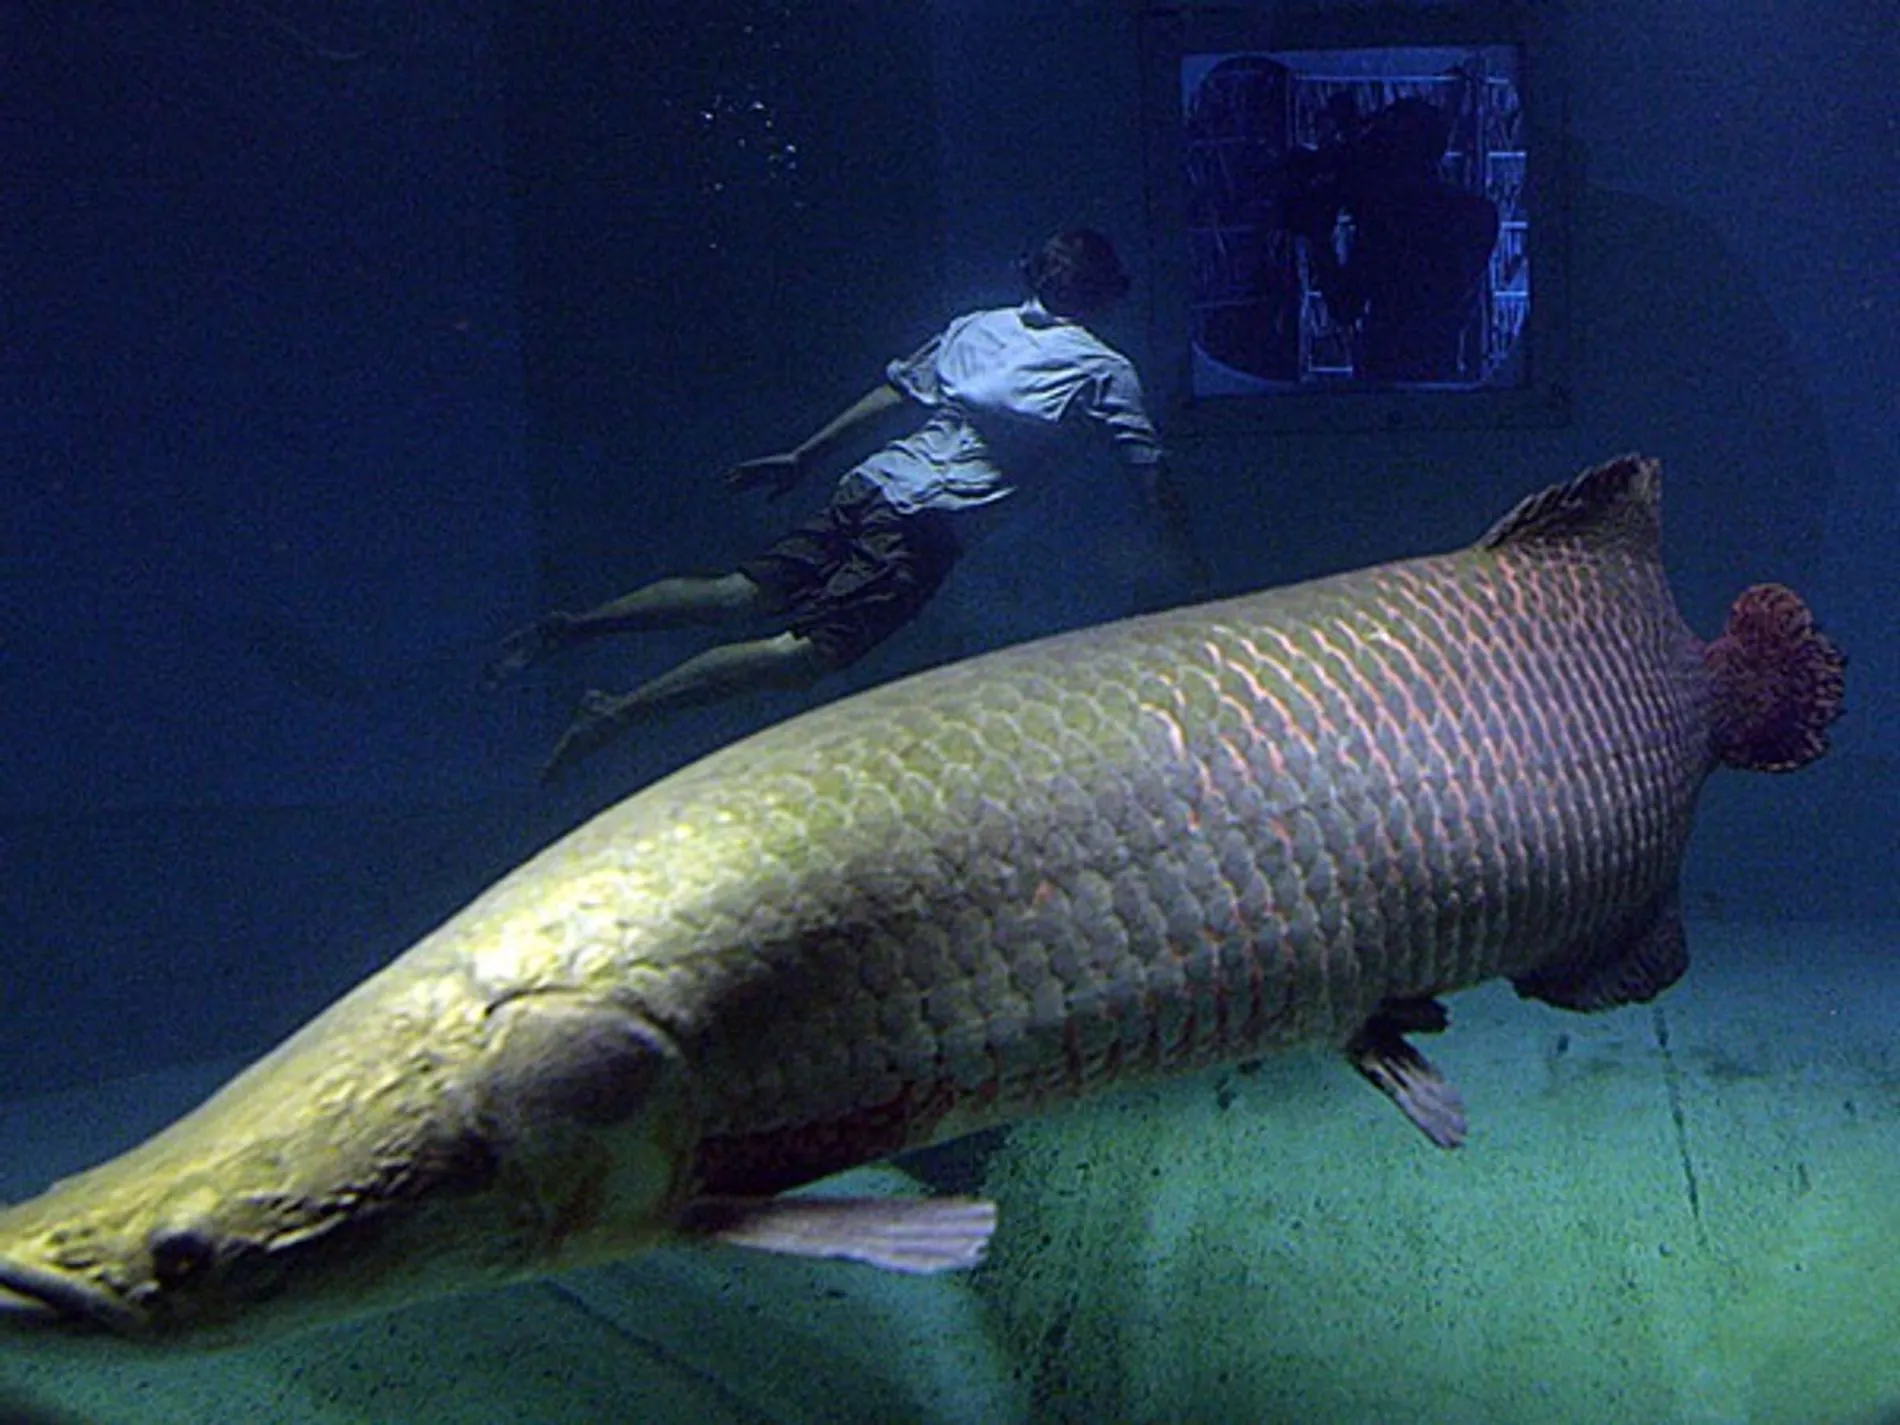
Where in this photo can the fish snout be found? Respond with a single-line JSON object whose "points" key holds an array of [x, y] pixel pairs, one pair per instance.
{"points": [[77, 1262], [35, 1298]]}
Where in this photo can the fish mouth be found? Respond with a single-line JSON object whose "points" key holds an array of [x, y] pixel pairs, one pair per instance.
{"points": [[36, 1298]]}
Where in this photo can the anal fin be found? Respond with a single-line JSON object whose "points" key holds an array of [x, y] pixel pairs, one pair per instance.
{"points": [[1648, 955], [899, 1234], [1381, 1052]]}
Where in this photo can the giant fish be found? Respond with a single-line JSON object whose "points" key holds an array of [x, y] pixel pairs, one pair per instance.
{"points": [[1293, 818]]}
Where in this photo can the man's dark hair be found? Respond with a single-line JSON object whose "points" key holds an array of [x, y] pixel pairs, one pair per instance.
{"points": [[1076, 272]]}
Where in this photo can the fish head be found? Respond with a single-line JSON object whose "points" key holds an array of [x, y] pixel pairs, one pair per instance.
{"points": [[359, 1168]]}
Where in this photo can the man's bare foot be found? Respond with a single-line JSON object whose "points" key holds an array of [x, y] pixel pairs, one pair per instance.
{"points": [[601, 718], [549, 634]]}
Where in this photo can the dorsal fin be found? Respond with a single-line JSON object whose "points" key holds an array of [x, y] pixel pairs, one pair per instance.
{"points": [[1615, 505]]}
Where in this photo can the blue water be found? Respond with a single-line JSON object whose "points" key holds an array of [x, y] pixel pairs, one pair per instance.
{"points": [[340, 340]]}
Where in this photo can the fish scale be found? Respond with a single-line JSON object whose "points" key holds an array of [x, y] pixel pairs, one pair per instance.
{"points": [[1199, 837], [1294, 817]]}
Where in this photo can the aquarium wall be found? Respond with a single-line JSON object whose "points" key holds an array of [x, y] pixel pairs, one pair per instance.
{"points": [[344, 339], [265, 503], [339, 338]]}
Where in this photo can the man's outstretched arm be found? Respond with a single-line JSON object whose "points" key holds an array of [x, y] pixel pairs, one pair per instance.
{"points": [[784, 471]]}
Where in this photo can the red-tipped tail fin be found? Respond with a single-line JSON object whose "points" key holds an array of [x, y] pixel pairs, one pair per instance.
{"points": [[1778, 682]]}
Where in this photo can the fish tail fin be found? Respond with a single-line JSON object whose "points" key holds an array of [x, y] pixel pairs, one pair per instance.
{"points": [[1777, 682]]}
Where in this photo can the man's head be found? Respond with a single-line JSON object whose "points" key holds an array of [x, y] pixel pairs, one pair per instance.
{"points": [[1076, 274]]}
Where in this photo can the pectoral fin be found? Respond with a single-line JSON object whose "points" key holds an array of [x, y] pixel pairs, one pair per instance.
{"points": [[1380, 1052], [899, 1234]]}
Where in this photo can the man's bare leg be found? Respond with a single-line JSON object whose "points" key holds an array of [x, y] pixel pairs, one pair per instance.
{"points": [[785, 660], [665, 603]]}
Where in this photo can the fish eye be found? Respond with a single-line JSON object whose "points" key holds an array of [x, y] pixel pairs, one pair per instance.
{"points": [[180, 1253]]}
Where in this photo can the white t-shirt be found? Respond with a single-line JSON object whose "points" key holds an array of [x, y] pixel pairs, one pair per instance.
{"points": [[1003, 387]]}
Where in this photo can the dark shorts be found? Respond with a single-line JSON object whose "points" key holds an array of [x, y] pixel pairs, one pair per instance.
{"points": [[855, 573]]}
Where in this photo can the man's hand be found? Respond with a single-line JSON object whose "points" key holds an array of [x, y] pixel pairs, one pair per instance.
{"points": [[1177, 530], [780, 473]]}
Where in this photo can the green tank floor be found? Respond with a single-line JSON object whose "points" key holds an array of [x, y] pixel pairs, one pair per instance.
{"points": [[1687, 1211]]}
